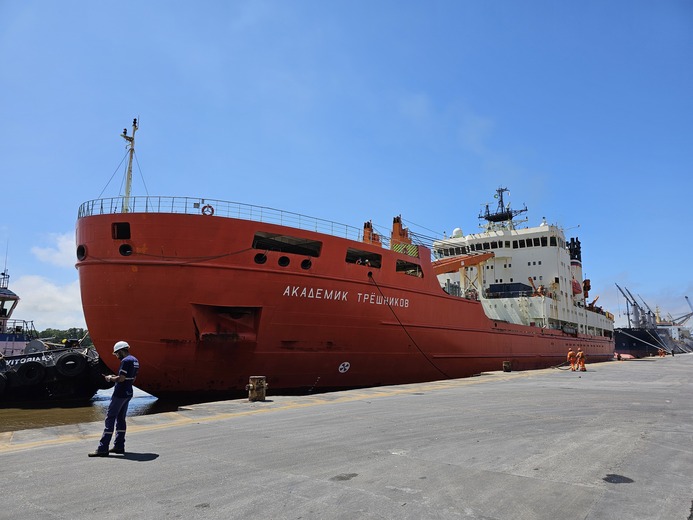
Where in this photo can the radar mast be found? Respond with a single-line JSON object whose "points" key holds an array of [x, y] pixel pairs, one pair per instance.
{"points": [[128, 177], [503, 217]]}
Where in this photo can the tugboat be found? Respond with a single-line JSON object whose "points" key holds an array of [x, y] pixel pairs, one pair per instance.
{"points": [[32, 369]]}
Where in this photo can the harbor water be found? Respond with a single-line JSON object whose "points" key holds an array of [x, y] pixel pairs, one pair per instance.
{"points": [[25, 416]]}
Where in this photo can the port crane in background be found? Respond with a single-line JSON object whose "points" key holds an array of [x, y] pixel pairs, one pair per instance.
{"points": [[683, 319]]}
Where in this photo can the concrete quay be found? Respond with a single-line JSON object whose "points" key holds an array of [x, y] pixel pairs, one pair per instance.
{"points": [[615, 442]]}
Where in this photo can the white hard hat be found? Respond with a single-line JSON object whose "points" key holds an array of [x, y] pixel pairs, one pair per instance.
{"points": [[120, 346]]}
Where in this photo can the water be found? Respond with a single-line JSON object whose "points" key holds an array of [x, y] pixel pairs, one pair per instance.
{"points": [[26, 416]]}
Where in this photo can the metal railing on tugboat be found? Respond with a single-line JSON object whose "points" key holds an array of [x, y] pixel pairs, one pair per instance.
{"points": [[217, 208], [18, 327]]}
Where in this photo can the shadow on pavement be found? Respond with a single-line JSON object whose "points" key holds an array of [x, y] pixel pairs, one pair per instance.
{"points": [[137, 457]]}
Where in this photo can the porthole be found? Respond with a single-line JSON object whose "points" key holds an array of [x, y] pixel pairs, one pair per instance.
{"points": [[81, 252], [260, 258], [306, 264], [284, 261], [125, 250]]}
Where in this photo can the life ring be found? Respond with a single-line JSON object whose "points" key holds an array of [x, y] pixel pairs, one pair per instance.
{"points": [[208, 210], [71, 364], [31, 372]]}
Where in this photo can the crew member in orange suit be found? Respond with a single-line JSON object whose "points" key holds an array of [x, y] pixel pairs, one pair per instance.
{"points": [[571, 359], [581, 360]]}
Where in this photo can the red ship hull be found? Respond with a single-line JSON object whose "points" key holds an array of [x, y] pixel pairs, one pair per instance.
{"points": [[202, 315]]}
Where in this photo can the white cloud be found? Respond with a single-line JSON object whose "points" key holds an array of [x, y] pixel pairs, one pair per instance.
{"points": [[475, 131], [48, 305], [416, 107], [62, 254]]}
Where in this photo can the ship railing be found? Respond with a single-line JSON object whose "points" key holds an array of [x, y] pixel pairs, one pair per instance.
{"points": [[17, 327], [217, 208]]}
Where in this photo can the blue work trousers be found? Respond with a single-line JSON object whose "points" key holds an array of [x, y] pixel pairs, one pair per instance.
{"points": [[115, 417]]}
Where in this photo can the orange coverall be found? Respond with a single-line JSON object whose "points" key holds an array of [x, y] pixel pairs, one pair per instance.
{"points": [[571, 359], [581, 360]]}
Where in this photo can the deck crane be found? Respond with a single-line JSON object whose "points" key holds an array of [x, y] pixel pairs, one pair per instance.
{"points": [[639, 319], [644, 319], [681, 320], [651, 315], [629, 305]]}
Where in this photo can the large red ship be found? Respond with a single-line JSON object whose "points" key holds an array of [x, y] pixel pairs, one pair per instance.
{"points": [[210, 292]]}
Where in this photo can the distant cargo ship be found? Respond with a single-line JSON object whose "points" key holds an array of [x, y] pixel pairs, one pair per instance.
{"points": [[210, 292], [647, 334]]}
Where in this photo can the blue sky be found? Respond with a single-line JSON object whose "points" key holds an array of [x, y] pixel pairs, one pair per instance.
{"points": [[354, 111]]}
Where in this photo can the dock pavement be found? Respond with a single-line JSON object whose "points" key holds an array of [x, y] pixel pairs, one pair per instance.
{"points": [[615, 442]]}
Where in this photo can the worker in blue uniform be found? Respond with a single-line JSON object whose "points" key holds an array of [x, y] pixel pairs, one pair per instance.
{"points": [[118, 408]]}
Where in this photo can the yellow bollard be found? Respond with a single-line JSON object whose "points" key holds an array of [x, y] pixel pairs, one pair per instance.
{"points": [[256, 388]]}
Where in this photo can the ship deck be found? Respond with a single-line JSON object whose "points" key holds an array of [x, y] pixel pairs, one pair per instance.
{"points": [[218, 208], [613, 442]]}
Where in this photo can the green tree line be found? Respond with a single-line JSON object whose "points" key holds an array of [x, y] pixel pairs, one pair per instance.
{"points": [[57, 336]]}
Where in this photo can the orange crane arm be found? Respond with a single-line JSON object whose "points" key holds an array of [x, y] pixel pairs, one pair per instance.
{"points": [[452, 265]]}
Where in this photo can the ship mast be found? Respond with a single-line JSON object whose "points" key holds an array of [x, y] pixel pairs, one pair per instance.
{"points": [[503, 216], [128, 178]]}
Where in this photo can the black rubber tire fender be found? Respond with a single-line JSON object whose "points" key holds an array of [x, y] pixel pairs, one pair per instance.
{"points": [[71, 364], [31, 373], [3, 383]]}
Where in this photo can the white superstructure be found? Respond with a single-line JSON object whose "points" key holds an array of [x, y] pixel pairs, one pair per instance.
{"points": [[529, 276]]}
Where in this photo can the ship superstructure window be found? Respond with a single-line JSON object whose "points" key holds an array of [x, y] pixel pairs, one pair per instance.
{"points": [[552, 241], [120, 230], [409, 268], [358, 256], [286, 244]]}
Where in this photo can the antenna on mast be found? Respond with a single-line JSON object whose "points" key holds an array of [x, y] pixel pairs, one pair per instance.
{"points": [[503, 217], [128, 178]]}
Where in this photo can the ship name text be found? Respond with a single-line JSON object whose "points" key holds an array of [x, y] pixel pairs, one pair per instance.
{"points": [[377, 299], [319, 293], [20, 361]]}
